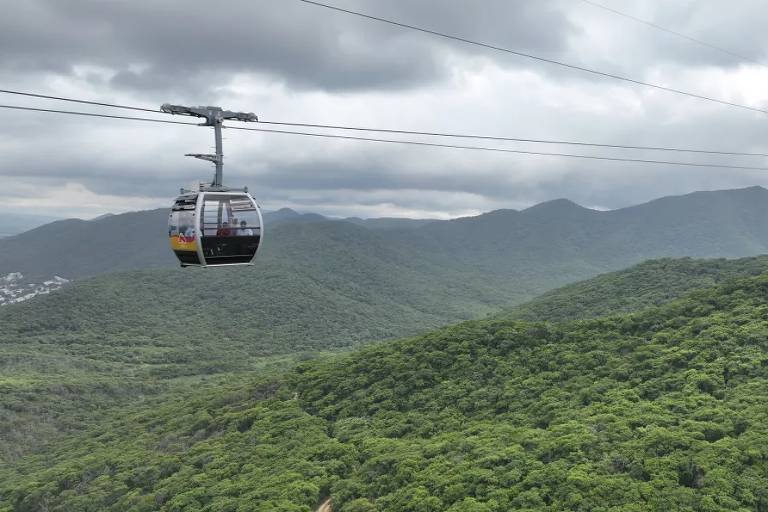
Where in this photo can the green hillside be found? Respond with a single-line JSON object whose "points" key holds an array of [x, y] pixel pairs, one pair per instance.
{"points": [[352, 286], [650, 283], [75, 248], [119, 339], [662, 409], [559, 242]]}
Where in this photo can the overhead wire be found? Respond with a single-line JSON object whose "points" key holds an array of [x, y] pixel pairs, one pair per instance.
{"points": [[516, 139], [674, 33], [534, 57], [73, 100], [92, 114], [404, 142], [502, 150], [421, 133]]}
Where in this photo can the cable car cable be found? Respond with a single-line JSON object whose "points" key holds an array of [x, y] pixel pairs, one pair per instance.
{"points": [[424, 133], [91, 114], [405, 142], [502, 150], [535, 57], [674, 33], [86, 102], [516, 139]]}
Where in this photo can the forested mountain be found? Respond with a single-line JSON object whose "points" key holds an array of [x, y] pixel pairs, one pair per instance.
{"points": [[661, 409], [80, 248], [14, 223], [558, 242], [650, 283], [122, 337], [152, 339], [390, 222], [341, 284], [533, 250]]}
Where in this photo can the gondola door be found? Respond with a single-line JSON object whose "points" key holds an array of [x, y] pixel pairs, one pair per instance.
{"points": [[183, 235], [230, 225]]}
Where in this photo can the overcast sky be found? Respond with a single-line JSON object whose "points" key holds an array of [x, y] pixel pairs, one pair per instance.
{"points": [[289, 61]]}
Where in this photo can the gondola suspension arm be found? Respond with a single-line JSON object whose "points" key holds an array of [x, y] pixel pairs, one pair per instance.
{"points": [[214, 117]]}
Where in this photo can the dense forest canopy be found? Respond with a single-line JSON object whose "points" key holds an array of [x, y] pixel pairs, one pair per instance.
{"points": [[650, 283], [664, 408], [123, 339]]}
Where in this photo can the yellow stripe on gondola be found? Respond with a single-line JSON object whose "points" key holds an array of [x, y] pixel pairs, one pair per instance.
{"points": [[183, 243]]}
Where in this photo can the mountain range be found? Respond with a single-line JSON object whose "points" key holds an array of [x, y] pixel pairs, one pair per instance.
{"points": [[13, 223], [323, 283], [532, 250], [193, 362]]}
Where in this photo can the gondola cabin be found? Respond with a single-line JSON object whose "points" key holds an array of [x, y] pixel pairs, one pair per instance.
{"points": [[215, 228]]}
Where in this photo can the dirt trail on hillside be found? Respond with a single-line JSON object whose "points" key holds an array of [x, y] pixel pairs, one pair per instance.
{"points": [[326, 506]]}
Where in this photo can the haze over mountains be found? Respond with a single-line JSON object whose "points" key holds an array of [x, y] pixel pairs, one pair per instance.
{"points": [[12, 223], [532, 250]]}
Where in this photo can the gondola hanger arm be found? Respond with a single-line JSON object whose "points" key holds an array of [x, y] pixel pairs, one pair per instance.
{"points": [[214, 117]]}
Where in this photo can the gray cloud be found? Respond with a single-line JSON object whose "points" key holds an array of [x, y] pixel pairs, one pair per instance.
{"points": [[623, 45], [288, 61], [152, 48]]}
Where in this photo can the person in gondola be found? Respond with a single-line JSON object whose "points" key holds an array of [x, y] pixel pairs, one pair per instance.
{"points": [[244, 229], [189, 233], [224, 230]]}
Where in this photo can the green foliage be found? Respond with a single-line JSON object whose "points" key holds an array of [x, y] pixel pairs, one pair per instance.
{"points": [[122, 338], [194, 455], [650, 283], [661, 409]]}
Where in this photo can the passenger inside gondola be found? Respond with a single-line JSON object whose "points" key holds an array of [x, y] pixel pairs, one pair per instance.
{"points": [[224, 230], [244, 229], [227, 229]]}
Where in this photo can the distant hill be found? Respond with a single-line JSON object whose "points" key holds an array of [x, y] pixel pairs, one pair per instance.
{"points": [[14, 223], [558, 242], [658, 410], [75, 248], [118, 338], [390, 223], [530, 251], [132, 316], [330, 284], [650, 283], [103, 216], [289, 215]]}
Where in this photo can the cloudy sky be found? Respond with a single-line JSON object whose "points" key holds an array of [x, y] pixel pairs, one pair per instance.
{"points": [[289, 61]]}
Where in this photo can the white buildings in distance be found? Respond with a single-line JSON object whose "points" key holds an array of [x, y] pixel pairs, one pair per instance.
{"points": [[13, 289]]}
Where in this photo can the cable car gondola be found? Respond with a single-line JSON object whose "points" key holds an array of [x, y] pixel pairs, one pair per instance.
{"points": [[215, 228], [214, 225]]}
